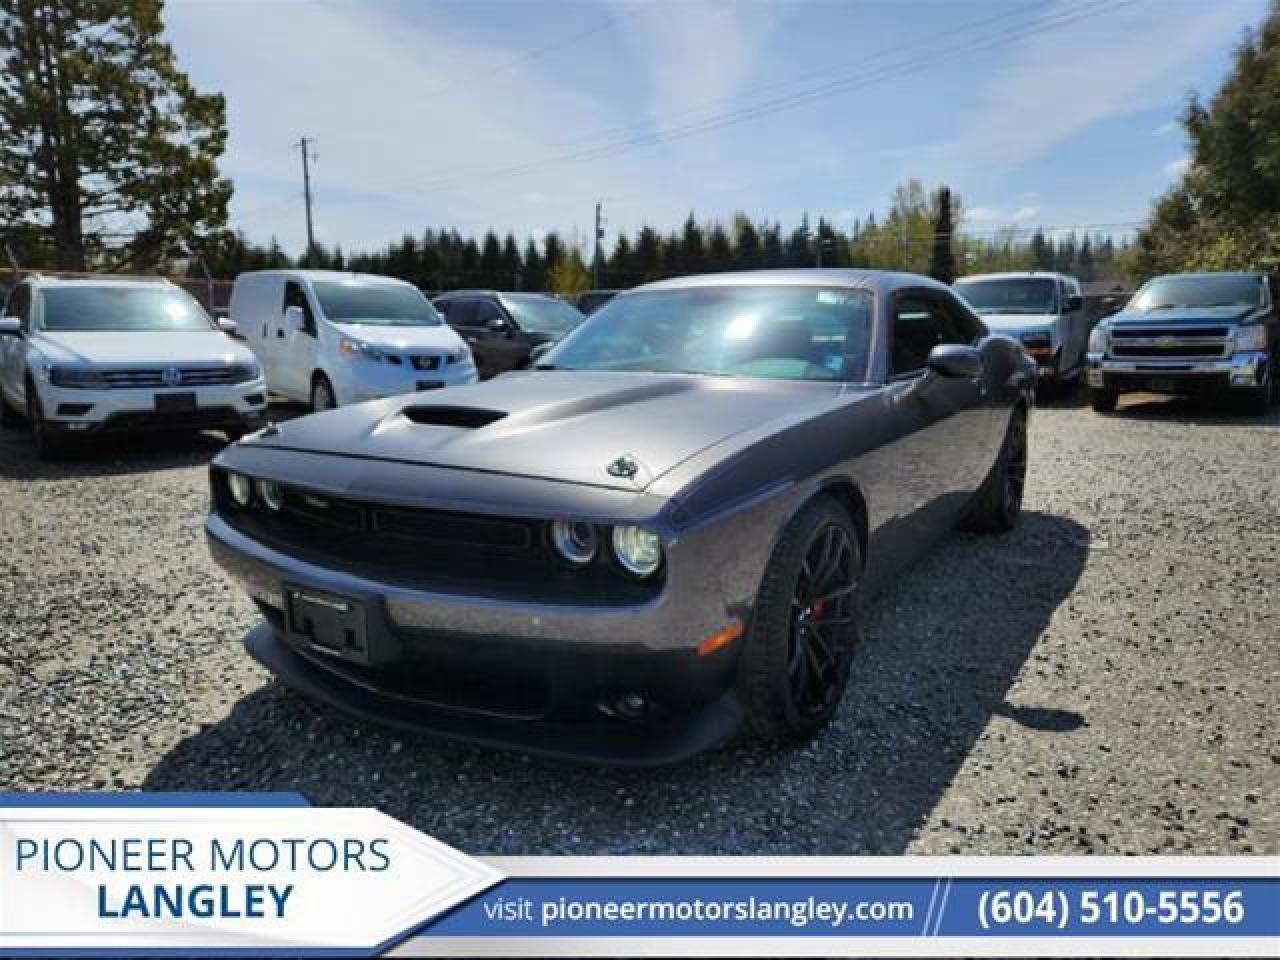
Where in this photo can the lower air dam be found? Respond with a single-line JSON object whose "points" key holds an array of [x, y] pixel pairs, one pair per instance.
{"points": [[203, 901]]}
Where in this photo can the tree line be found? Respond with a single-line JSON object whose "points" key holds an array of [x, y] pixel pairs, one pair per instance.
{"points": [[918, 233]]}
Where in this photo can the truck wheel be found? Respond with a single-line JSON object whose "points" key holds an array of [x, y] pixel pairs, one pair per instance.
{"points": [[322, 395], [795, 662], [1103, 401], [1258, 400], [998, 502], [49, 446]]}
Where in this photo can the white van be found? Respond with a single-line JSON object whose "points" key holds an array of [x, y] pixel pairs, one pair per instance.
{"points": [[326, 337], [1043, 310]]}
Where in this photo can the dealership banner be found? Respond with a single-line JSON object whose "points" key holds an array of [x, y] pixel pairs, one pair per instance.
{"points": [[267, 874]]}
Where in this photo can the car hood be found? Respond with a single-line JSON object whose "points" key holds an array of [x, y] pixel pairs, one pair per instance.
{"points": [[1186, 315], [440, 337], [1012, 324], [148, 349], [563, 425]]}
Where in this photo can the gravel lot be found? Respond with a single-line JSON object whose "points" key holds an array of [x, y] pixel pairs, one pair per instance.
{"points": [[1102, 680]]}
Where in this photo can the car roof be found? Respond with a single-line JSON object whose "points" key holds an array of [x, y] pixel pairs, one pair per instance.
{"points": [[38, 280], [1214, 273], [1017, 275], [347, 275], [875, 281], [495, 293]]}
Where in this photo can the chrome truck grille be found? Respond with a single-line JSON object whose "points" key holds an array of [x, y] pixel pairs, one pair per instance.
{"points": [[1171, 342]]}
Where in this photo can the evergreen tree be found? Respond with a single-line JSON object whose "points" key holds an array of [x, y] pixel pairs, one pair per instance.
{"points": [[942, 262], [97, 121], [719, 250], [533, 276], [648, 257], [690, 255]]}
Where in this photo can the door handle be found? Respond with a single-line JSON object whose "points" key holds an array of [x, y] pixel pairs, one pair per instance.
{"points": [[279, 334]]}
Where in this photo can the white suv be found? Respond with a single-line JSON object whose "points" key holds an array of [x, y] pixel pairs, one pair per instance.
{"points": [[327, 338], [96, 355]]}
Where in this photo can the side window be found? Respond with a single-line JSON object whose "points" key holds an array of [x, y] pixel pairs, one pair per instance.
{"points": [[295, 296], [461, 313], [489, 314], [920, 323]]}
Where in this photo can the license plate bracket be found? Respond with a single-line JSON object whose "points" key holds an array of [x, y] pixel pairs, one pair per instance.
{"points": [[430, 384], [328, 623], [175, 402]]}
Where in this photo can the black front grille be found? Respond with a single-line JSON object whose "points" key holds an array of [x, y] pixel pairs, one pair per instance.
{"points": [[184, 420], [475, 554], [154, 378], [1177, 350], [1181, 333]]}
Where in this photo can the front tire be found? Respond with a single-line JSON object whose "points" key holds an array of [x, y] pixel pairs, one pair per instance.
{"points": [[1259, 400], [322, 395], [8, 416], [49, 446], [1102, 400], [998, 503], [795, 663]]}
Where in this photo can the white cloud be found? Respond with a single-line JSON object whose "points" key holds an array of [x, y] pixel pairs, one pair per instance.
{"points": [[1025, 213], [1168, 127], [1059, 82], [1176, 168], [982, 214]]}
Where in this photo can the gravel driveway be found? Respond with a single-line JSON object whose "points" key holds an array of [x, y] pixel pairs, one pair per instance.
{"points": [[1102, 680]]}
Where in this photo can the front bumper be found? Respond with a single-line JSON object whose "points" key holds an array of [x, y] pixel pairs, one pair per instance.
{"points": [[361, 381], [1239, 371], [545, 677], [68, 410]]}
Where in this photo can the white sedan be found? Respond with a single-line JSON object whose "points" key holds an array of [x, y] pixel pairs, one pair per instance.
{"points": [[90, 356]]}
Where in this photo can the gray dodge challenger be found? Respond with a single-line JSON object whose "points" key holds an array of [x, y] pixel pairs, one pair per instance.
{"points": [[659, 536]]}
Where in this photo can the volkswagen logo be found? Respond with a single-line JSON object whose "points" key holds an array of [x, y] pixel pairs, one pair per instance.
{"points": [[171, 377]]}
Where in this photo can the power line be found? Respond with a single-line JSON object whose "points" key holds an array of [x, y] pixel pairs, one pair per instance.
{"points": [[1036, 25]]}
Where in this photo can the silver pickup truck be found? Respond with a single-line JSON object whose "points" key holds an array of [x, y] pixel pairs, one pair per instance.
{"points": [[1191, 333]]}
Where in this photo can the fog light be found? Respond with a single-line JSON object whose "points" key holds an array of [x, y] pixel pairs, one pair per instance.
{"points": [[576, 542], [638, 550], [271, 493], [241, 488], [631, 707]]}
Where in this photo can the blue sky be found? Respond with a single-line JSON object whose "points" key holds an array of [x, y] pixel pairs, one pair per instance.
{"points": [[521, 115]]}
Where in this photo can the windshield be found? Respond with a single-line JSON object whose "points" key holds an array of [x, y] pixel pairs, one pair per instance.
{"points": [[121, 308], [1227, 290], [1010, 294], [794, 333], [542, 314], [375, 304]]}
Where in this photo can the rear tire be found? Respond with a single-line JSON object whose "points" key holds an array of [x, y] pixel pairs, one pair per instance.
{"points": [[322, 395], [795, 662], [998, 503], [1103, 401]]}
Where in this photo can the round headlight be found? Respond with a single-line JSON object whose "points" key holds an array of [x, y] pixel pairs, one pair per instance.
{"points": [[271, 493], [576, 542], [241, 488], [638, 550]]}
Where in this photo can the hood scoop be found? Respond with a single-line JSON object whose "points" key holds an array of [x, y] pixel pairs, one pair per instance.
{"points": [[467, 418]]}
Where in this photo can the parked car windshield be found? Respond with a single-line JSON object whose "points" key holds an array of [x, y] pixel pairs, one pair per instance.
{"points": [[1010, 294], [542, 314], [121, 309], [1226, 290], [375, 304], [794, 333]]}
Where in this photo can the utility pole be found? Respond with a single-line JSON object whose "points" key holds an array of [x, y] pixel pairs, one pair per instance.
{"points": [[595, 259], [821, 232], [303, 145]]}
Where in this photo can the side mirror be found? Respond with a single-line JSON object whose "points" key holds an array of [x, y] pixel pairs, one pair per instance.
{"points": [[956, 361], [497, 325], [227, 326], [10, 327], [295, 319], [1072, 302]]}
